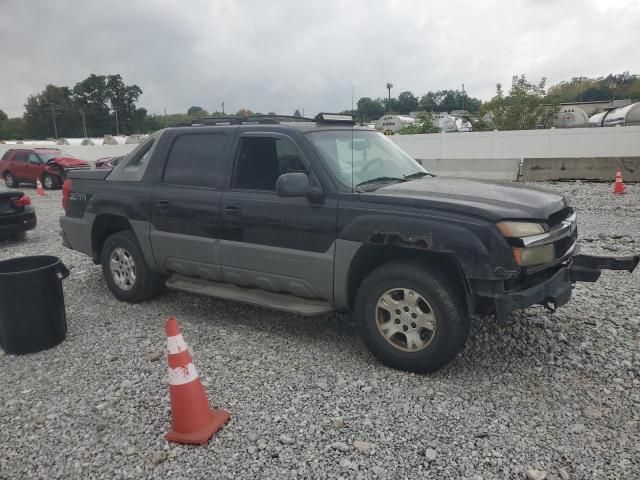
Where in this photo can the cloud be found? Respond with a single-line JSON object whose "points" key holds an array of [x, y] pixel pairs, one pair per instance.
{"points": [[284, 54]]}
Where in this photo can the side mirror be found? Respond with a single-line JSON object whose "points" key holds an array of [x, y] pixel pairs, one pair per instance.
{"points": [[297, 184]]}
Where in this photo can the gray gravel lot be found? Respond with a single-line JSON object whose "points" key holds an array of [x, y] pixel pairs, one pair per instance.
{"points": [[555, 393]]}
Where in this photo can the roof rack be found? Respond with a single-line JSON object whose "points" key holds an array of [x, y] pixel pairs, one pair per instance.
{"points": [[335, 118], [279, 117]]}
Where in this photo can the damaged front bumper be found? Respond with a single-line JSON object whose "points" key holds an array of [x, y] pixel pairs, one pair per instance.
{"points": [[556, 290]]}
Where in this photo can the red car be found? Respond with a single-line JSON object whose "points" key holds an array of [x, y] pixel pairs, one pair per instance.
{"points": [[26, 165]]}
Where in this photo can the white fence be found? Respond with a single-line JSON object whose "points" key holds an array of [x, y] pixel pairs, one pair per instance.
{"points": [[553, 143]]}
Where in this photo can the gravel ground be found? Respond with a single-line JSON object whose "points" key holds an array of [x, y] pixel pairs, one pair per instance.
{"points": [[554, 393]]}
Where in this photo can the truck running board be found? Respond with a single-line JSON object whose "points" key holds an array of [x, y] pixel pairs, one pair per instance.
{"points": [[254, 296]]}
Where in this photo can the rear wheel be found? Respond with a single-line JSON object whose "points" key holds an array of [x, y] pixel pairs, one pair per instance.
{"points": [[412, 317], [49, 182], [10, 180], [129, 277]]}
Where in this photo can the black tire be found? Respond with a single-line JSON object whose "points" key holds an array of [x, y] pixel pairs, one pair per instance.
{"points": [[147, 283], [10, 180], [50, 182], [19, 236], [446, 303]]}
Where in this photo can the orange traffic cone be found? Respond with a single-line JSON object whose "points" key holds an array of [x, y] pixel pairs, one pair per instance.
{"points": [[39, 189], [618, 187], [192, 420]]}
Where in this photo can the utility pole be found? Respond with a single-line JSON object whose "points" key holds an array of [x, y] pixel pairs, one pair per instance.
{"points": [[165, 118], [84, 124], [303, 111], [53, 116], [223, 108], [463, 96], [117, 127], [389, 87]]}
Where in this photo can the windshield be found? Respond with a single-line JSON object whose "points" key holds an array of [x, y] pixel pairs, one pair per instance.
{"points": [[372, 156]]}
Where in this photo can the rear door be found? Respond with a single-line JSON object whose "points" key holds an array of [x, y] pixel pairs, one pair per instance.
{"points": [[271, 242], [19, 166], [185, 218]]}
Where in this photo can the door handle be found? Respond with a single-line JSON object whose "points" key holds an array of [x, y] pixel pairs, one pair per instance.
{"points": [[232, 211], [163, 204]]}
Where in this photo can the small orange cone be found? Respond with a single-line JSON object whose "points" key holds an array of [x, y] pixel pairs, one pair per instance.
{"points": [[192, 420], [618, 187], [39, 189]]}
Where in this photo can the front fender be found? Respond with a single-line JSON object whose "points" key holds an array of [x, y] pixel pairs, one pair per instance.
{"points": [[480, 250]]}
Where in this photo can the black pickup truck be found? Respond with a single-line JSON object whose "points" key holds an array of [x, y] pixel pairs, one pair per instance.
{"points": [[320, 215]]}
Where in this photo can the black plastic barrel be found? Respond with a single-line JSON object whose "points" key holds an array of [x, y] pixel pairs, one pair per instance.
{"points": [[32, 313]]}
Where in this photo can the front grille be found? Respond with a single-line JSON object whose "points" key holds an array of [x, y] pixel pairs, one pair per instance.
{"points": [[556, 218], [562, 246]]}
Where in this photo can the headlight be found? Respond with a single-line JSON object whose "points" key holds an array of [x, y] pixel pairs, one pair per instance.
{"points": [[520, 229], [534, 255]]}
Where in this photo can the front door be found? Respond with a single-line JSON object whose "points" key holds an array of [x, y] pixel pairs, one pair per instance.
{"points": [[34, 167], [274, 243], [185, 220]]}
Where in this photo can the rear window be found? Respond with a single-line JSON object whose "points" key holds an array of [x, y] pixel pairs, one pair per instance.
{"points": [[195, 160]]}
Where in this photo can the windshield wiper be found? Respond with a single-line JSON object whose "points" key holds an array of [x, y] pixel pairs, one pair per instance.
{"points": [[417, 175], [380, 179]]}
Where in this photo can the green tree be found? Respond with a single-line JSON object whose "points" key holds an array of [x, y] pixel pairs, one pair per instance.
{"points": [[52, 103], [406, 102], [524, 108], [447, 100], [297, 113], [12, 128], [585, 89], [123, 100], [424, 124], [369, 109], [196, 111]]}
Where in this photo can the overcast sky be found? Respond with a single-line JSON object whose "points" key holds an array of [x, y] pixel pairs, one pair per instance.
{"points": [[279, 55]]}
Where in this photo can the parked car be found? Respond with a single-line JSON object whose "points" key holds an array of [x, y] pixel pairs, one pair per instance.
{"points": [[312, 217], [27, 165], [16, 214], [108, 162]]}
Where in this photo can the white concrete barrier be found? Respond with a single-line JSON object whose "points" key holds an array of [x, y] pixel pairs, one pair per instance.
{"points": [[552, 143], [505, 169]]}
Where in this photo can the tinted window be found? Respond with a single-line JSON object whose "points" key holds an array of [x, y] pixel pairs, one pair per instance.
{"points": [[33, 158], [195, 160], [21, 156], [261, 160]]}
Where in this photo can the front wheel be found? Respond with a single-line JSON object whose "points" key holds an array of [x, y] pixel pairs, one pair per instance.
{"points": [[10, 180], [412, 317], [49, 182], [129, 277]]}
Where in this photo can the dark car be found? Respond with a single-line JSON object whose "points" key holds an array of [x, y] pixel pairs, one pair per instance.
{"points": [[27, 165], [16, 214], [316, 216], [108, 162]]}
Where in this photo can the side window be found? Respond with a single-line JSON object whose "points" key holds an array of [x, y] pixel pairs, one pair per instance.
{"points": [[21, 156], [34, 159], [261, 160], [196, 160]]}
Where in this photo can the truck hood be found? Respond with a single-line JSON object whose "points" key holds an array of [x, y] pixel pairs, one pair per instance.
{"points": [[491, 200], [67, 162]]}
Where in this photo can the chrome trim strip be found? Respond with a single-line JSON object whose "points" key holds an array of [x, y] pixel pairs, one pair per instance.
{"points": [[565, 228]]}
